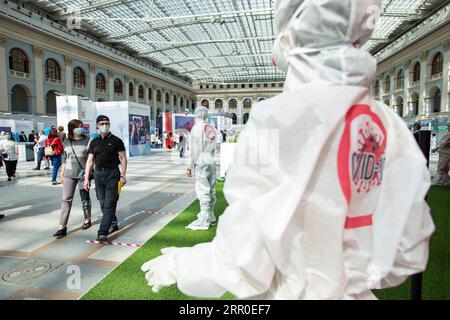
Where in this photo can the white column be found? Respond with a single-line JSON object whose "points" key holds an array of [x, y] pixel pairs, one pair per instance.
{"points": [[146, 96], [92, 82], [39, 77], [3, 77], [154, 106], [125, 89], [423, 104], [69, 75], [406, 97], [111, 85], [445, 77], [136, 91]]}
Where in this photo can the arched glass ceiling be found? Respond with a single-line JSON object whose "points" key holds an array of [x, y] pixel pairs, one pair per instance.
{"points": [[210, 40]]}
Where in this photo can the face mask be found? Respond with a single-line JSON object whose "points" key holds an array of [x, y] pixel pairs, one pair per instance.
{"points": [[7, 137], [104, 128], [78, 131]]}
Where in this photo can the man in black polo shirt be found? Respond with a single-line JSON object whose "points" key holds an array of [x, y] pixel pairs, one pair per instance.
{"points": [[107, 152]]}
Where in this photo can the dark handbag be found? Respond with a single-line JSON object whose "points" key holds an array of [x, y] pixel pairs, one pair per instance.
{"points": [[83, 170]]}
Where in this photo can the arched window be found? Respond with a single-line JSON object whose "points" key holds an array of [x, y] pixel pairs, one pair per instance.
{"points": [[150, 94], [51, 102], [234, 118], [218, 104], [247, 103], [158, 112], [205, 103], [416, 72], [437, 101], [181, 102], [18, 60], [19, 99], [399, 106], [130, 89], [79, 78], [158, 96], [436, 64], [387, 84], [400, 79], [233, 104], [167, 97], [245, 118], [415, 103], [52, 70], [377, 87], [174, 100], [100, 82], [118, 87], [141, 92]]}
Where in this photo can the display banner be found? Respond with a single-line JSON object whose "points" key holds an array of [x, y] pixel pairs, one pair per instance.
{"points": [[130, 122], [183, 121]]}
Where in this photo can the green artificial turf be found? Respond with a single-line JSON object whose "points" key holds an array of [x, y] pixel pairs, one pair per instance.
{"points": [[128, 282], [436, 278]]}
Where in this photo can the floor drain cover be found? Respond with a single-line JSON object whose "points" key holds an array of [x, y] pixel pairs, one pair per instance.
{"points": [[29, 271]]}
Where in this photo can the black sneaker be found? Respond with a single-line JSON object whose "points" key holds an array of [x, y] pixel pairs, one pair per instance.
{"points": [[102, 238], [113, 229], [9, 178], [2, 216], [46, 168], [36, 169]]}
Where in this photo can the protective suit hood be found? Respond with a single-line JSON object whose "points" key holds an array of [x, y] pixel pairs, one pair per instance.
{"points": [[201, 113], [320, 40]]}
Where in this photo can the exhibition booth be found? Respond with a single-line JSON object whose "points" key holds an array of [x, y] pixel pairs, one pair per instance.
{"points": [[130, 121], [15, 127]]}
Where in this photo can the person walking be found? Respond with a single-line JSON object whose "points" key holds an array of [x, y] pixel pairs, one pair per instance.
{"points": [[61, 134], [443, 149], [9, 152], [57, 149], [182, 145], [107, 152], [39, 147], [72, 174]]}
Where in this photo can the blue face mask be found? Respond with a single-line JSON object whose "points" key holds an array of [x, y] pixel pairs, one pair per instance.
{"points": [[7, 137], [78, 131]]}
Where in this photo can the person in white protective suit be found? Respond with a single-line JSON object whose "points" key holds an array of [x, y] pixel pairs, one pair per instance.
{"points": [[327, 216], [203, 143], [443, 149]]}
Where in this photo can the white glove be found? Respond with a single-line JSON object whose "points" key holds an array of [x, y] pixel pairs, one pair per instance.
{"points": [[160, 271]]}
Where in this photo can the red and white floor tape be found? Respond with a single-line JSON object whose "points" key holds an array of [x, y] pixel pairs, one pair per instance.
{"points": [[114, 243]]}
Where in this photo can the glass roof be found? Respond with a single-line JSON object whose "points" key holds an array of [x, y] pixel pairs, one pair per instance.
{"points": [[214, 41]]}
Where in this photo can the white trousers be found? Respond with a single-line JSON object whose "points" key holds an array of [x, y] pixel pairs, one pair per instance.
{"points": [[205, 188]]}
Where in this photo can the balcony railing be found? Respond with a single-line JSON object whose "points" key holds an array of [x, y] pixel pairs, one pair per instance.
{"points": [[53, 81], [399, 87], [19, 74], [79, 86], [415, 84], [437, 76], [117, 94], [101, 91]]}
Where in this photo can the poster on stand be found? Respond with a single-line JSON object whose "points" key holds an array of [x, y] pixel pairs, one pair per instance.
{"points": [[183, 121], [167, 128]]}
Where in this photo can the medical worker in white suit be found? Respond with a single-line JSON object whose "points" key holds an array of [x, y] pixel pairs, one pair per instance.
{"points": [[202, 141], [328, 216]]}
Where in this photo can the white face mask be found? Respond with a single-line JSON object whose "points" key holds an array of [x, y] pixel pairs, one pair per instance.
{"points": [[104, 128], [78, 131]]}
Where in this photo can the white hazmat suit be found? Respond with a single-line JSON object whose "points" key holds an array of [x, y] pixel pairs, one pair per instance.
{"points": [[202, 142], [329, 215]]}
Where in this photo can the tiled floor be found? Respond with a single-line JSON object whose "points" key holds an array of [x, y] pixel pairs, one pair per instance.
{"points": [[31, 205]]}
